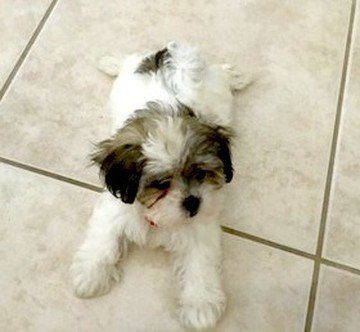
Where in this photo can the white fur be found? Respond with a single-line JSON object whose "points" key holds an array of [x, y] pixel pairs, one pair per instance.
{"points": [[194, 243]]}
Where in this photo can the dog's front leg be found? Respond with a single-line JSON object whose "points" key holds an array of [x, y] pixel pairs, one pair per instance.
{"points": [[93, 267], [198, 265]]}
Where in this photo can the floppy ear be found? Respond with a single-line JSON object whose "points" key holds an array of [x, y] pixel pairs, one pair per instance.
{"points": [[121, 166], [224, 136]]}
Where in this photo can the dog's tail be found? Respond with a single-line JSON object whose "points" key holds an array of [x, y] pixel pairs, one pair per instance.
{"points": [[110, 65], [183, 68]]}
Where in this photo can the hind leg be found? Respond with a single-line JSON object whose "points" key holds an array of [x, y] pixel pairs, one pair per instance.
{"points": [[110, 65], [238, 81]]}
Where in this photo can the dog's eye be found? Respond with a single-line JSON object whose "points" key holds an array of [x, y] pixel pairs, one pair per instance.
{"points": [[200, 175], [160, 185]]}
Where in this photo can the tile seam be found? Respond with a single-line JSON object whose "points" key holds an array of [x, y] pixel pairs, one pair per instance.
{"points": [[27, 49], [228, 230], [340, 266], [51, 175], [268, 243], [330, 172]]}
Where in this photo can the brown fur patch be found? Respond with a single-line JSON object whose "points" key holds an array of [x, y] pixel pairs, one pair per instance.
{"points": [[153, 62]]}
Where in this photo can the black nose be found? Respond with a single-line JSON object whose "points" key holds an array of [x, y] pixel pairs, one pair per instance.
{"points": [[191, 204]]}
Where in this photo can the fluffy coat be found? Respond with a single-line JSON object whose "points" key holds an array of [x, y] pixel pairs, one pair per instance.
{"points": [[171, 113]]}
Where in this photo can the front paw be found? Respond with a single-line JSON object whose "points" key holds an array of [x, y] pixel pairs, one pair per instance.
{"points": [[91, 278], [201, 315]]}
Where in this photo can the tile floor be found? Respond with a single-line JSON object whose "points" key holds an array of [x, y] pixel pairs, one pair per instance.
{"points": [[292, 225]]}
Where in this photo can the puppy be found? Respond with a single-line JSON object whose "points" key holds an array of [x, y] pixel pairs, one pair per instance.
{"points": [[164, 166]]}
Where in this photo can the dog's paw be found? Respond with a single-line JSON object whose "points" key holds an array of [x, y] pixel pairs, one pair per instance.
{"points": [[91, 278], [172, 46], [238, 80], [110, 65], [202, 315]]}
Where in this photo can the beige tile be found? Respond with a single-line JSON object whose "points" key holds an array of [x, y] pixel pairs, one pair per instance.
{"points": [[268, 289], [42, 222], [18, 20], [343, 233], [285, 123], [338, 302], [57, 105]]}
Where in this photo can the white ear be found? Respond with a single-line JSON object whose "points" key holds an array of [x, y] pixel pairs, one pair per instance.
{"points": [[110, 65]]}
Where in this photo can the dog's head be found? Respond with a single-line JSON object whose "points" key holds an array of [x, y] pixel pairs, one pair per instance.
{"points": [[170, 161]]}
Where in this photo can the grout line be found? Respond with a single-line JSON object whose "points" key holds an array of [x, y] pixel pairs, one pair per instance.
{"points": [[51, 175], [340, 266], [268, 242], [225, 229], [312, 296], [27, 48], [330, 172]]}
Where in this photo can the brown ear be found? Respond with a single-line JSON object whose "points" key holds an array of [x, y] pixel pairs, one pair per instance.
{"points": [[121, 159], [218, 140], [224, 151], [121, 166]]}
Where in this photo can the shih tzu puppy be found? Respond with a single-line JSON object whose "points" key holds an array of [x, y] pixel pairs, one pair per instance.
{"points": [[164, 166]]}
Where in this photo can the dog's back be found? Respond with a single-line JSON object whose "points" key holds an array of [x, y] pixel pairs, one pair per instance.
{"points": [[176, 73]]}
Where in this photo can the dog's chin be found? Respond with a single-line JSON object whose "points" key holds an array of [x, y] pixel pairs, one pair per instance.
{"points": [[166, 217]]}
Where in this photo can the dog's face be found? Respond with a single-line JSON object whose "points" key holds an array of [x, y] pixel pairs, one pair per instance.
{"points": [[169, 161]]}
